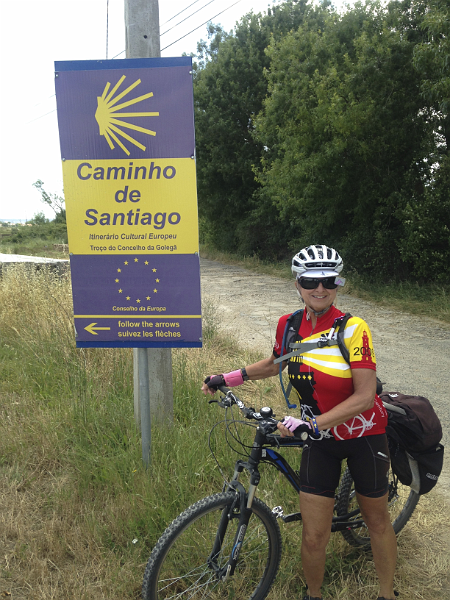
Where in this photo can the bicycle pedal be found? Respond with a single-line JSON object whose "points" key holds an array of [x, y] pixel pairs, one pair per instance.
{"points": [[292, 517], [278, 512]]}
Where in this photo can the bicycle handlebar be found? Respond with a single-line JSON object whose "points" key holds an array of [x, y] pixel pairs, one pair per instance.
{"points": [[264, 416]]}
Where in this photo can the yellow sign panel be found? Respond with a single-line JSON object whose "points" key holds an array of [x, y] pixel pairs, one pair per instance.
{"points": [[124, 205]]}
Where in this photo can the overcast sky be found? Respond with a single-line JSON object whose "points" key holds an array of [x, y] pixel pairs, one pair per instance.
{"points": [[34, 34]]}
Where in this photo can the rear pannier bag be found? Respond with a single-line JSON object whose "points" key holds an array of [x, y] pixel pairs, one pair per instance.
{"points": [[426, 466], [416, 454]]}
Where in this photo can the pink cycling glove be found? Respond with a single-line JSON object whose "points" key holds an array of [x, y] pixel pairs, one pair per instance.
{"points": [[292, 424], [229, 379]]}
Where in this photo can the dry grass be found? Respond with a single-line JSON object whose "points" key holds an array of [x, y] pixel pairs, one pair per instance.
{"points": [[50, 548], [74, 495], [49, 552]]}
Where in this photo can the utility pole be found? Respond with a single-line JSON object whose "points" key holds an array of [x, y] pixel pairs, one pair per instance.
{"points": [[142, 29], [153, 390]]}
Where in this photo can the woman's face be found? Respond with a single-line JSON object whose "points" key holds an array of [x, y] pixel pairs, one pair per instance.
{"points": [[318, 299]]}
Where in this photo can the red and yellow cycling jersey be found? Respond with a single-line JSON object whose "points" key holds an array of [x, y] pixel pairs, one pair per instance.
{"points": [[323, 379]]}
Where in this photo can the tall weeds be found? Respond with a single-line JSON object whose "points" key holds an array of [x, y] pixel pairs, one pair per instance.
{"points": [[79, 514]]}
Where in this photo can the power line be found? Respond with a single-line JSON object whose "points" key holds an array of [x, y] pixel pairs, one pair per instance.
{"points": [[191, 15], [192, 31], [44, 100], [200, 26], [44, 115], [37, 118], [181, 11]]}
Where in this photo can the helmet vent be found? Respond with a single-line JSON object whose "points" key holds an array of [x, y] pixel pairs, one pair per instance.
{"points": [[316, 257]]}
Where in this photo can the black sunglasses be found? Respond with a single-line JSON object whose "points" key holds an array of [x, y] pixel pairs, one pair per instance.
{"points": [[311, 283]]}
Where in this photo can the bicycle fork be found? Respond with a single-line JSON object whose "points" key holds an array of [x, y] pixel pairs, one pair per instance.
{"points": [[241, 507]]}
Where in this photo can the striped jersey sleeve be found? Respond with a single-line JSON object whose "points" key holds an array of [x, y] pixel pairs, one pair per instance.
{"points": [[358, 340]]}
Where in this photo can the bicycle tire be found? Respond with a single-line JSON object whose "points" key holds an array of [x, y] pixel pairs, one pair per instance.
{"points": [[402, 501], [177, 566]]}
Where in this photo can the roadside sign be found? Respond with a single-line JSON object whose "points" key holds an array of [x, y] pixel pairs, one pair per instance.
{"points": [[128, 155]]}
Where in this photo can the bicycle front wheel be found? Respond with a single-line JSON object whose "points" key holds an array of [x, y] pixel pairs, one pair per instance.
{"points": [[181, 566], [401, 504]]}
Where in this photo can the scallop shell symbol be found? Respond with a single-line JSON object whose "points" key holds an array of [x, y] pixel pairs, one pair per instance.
{"points": [[107, 115]]}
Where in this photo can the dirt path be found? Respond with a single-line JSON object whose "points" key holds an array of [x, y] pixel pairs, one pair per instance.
{"points": [[413, 353]]}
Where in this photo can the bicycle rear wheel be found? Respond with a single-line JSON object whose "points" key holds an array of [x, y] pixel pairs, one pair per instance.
{"points": [[180, 565], [401, 502]]}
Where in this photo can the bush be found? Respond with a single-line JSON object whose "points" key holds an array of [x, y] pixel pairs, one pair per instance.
{"points": [[52, 231]]}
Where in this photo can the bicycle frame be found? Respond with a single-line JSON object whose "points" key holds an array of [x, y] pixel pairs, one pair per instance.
{"points": [[262, 452]]}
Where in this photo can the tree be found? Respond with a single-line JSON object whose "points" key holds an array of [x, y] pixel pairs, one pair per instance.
{"points": [[39, 219], [56, 203], [346, 135], [343, 141], [432, 60], [427, 215], [229, 89]]}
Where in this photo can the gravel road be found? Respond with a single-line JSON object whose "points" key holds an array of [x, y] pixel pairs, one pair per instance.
{"points": [[413, 353]]}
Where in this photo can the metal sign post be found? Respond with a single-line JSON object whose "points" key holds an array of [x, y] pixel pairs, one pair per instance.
{"points": [[143, 41]]}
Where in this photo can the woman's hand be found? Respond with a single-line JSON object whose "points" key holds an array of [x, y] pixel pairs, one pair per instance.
{"points": [[284, 431], [211, 383], [291, 427], [260, 370]]}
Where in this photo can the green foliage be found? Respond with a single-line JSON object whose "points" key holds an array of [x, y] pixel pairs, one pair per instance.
{"points": [[345, 140], [39, 219], [344, 135], [229, 89], [427, 230], [432, 55], [55, 202], [53, 231]]}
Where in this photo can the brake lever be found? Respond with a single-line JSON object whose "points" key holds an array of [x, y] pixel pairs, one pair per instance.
{"points": [[249, 413], [267, 427], [224, 403]]}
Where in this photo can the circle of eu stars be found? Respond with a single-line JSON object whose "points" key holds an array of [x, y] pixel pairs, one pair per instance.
{"points": [[144, 269]]}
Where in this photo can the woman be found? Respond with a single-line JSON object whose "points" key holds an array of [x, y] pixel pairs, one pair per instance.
{"points": [[341, 412]]}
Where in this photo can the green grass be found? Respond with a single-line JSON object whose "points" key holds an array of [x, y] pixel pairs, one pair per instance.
{"points": [[79, 514], [253, 263], [36, 240], [431, 299]]}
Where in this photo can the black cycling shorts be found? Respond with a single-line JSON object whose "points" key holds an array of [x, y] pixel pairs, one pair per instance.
{"points": [[367, 458]]}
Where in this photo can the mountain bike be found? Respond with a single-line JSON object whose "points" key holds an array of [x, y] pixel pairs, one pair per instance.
{"points": [[229, 544]]}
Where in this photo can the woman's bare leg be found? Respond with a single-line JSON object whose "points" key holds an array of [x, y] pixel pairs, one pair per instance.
{"points": [[382, 539], [317, 515]]}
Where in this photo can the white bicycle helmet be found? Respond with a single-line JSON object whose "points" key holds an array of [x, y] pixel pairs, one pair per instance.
{"points": [[317, 261]]}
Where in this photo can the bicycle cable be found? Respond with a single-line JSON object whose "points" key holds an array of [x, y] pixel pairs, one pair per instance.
{"points": [[229, 433], [237, 438], [212, 451]]}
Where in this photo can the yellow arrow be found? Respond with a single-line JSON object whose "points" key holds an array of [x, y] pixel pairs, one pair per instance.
{"points": [[91, 329]]}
